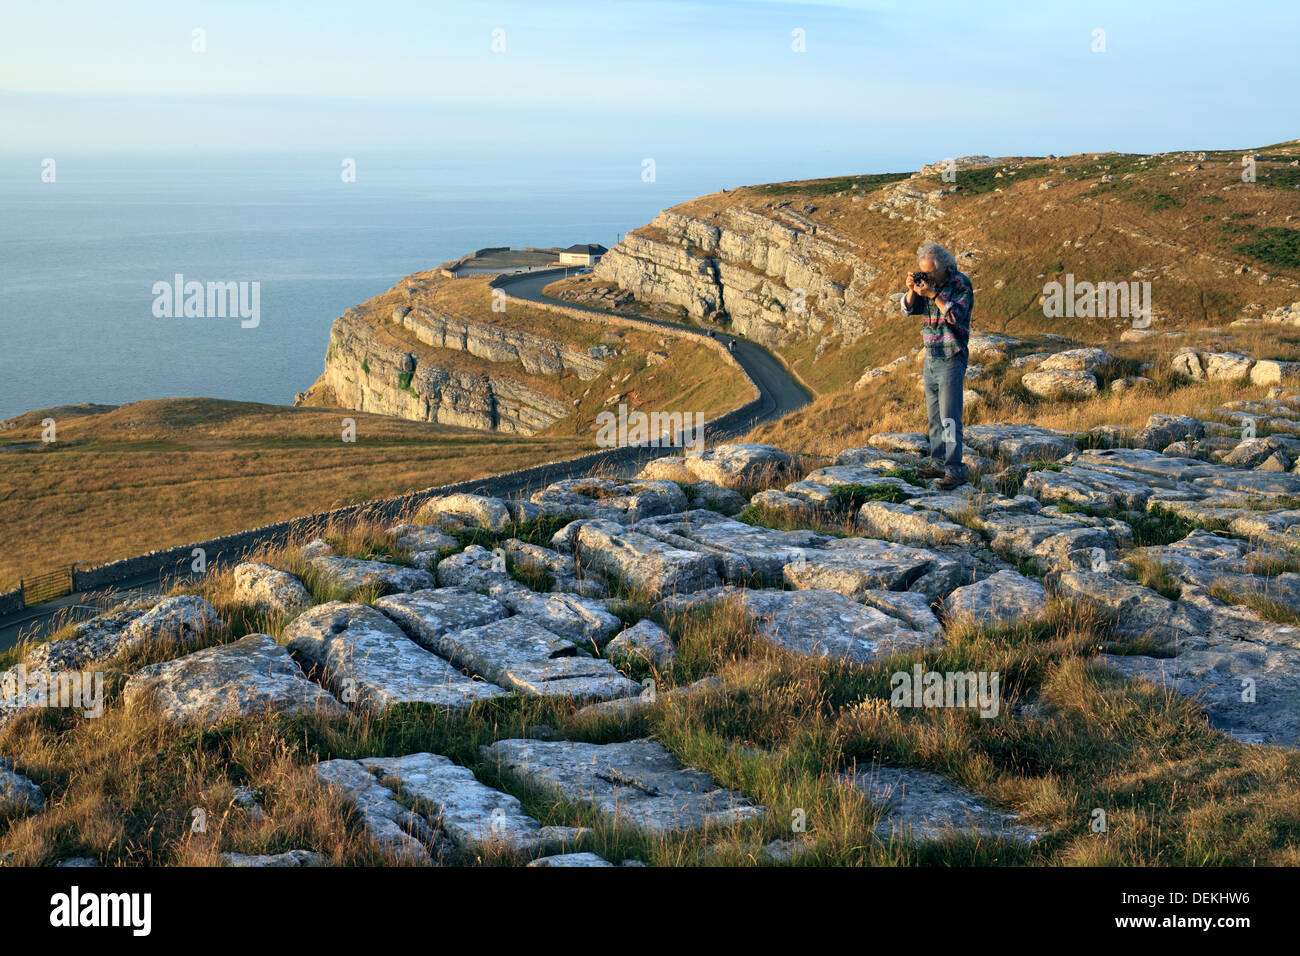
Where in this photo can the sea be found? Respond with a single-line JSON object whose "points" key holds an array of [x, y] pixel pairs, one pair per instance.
{"points": [[87, 241]]}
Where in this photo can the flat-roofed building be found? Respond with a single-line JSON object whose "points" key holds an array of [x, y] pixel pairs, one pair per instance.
{"points": [[583, 254]]}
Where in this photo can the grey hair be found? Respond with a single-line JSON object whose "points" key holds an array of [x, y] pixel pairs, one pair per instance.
{"points": [[940, 256]]}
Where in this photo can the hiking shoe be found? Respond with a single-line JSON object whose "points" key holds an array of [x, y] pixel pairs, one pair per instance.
{"points": [[949, 482], [929, 471]]}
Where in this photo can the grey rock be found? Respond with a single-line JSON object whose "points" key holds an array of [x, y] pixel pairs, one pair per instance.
{"points": [[1184, 449], [315, 548], [175, 622], [706, 494], [522, 655], [1250, 452], [352, 573], [17, 793], [638, 784], [726, 465], [288, 858], [1226, 365], [427, 615], [1219, 677], [1086, 359], [645, 641], [1056, 540], [851, 566], [907, 525], [475, 568], [571, 859], [642, 561], [1061, 383], [472, 815], [390, 825], [741, 551], [1019, 443], [366, 659], [1002, 598], [522, 512], [1162, 431], [1080, 485], [268, 589], [579, 618], [1135, 610], [817, 623], [422, 538], [465, 510], [249, 677], [782, 502], [909, 607], [922, 807], [1187, 362], [99, 639], [534, 555]]}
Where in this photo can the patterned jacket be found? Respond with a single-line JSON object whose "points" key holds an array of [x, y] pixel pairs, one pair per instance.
{"points": [[945, 332]]}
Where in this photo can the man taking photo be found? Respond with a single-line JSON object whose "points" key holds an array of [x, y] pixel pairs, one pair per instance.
{"points": [[944, 296]]}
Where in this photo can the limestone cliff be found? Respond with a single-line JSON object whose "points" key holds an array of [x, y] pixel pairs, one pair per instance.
{"points": [[774, 277], [366, 372], [405, 354]]}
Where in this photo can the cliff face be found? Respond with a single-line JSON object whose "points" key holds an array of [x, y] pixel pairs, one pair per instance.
{"points": [[778, 277], [368, 372], [535, 354], [401, 354]]}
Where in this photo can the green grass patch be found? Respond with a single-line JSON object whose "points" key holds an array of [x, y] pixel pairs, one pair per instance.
{"points": [[1153, 574], [1274, 245], [908, 475], [1266, 607], [851, 497], [985, 179], [856, 185]]}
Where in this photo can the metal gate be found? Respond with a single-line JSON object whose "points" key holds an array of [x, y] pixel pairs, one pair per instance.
{"points": [[46, 586]]}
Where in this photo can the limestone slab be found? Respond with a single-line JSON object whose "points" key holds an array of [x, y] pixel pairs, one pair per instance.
{"points": [[637, 784], [248, 677], [368, 661]]}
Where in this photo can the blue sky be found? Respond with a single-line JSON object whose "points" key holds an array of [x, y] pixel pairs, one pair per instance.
{"points": [[890, 84]]}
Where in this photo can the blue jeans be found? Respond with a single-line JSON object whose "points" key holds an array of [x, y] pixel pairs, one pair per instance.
{"points": [[944, 381]]}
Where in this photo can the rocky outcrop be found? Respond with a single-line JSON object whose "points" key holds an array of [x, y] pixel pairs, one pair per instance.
{"points": [[498, 343], [17, 793], [776, 275], [370, 372], [250, 677], [921, 807], [638, 783]]}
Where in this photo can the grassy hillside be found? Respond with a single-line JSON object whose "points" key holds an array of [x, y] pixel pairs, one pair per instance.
{"points": [[1213, 247], [123, 480]]}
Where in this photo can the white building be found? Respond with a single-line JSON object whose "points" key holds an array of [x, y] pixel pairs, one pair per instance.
{"points": [[583, 254]]}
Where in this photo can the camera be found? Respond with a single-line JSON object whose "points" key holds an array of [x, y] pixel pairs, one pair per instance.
{"points": [[918, 278]]}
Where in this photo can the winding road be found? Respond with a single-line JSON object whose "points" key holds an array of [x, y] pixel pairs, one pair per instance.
{"points": [[779, 394], [778, 390]]}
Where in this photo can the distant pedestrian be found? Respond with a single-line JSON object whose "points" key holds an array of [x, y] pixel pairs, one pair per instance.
{"points": [[944, 296]]}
